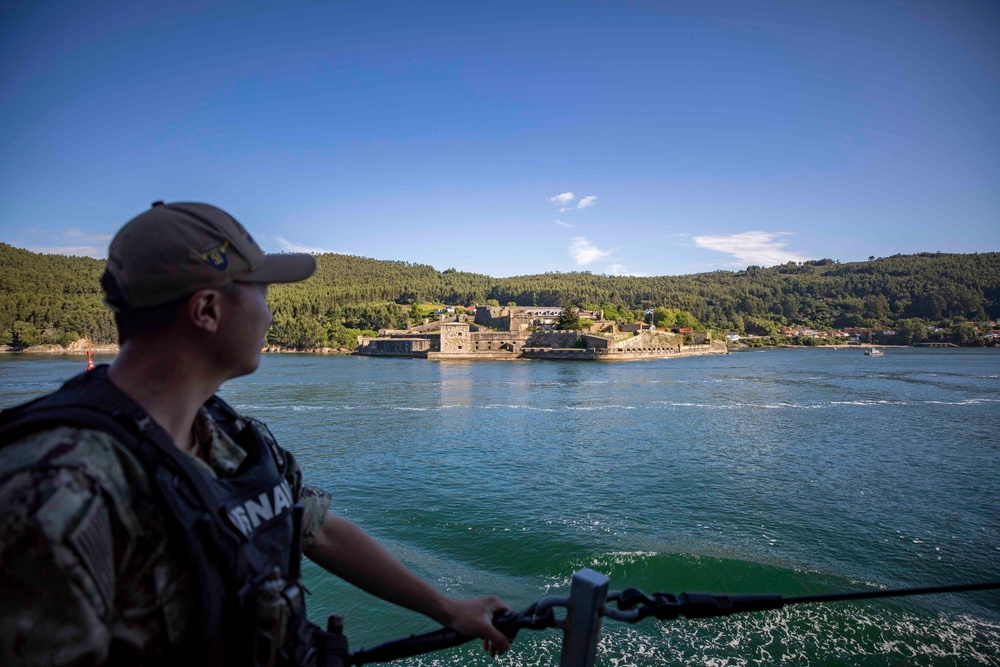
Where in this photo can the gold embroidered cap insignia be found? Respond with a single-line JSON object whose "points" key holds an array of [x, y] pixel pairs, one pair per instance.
{"points": [[215, 256]]}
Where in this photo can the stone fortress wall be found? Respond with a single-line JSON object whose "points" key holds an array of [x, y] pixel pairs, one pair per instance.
{"points": [[521, 332], [394, 346], [521, 318]]}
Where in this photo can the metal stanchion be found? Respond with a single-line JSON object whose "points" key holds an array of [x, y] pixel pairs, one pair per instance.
{"points": [[583, 618]]}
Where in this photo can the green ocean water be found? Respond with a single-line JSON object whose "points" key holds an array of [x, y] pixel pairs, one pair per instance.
{"points": [[780, 471]]}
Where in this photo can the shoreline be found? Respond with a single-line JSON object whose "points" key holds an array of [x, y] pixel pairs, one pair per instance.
{"points": [[81, 350], [862, 346], [74, 350]]}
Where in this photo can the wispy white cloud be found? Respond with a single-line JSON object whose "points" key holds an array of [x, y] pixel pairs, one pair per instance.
{"points": [[78, 243], [563, 224], [86, 236], [564, 198], [753, 248], [585, 252], [587, 202], [289, 246], [622, 270], [97, 252]]}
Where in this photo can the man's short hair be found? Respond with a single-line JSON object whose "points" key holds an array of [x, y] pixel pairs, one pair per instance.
{"points": [[151, 320]]}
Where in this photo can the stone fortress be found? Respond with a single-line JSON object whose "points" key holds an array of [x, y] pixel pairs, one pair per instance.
{"points": [[528, 332]]}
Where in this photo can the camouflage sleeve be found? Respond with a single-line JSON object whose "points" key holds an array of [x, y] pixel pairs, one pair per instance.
{"points": [[57, 572], [315, 503]]}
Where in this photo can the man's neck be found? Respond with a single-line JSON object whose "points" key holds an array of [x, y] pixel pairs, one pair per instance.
{"points": [[169, 386]]}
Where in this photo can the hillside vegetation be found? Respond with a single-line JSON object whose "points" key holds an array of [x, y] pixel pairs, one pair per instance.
{"points": [[56, 299]]}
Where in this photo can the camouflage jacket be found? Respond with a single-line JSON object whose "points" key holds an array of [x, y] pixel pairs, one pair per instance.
{"points": [[86, 568]]}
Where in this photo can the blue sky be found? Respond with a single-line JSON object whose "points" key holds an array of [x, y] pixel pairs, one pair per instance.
{"points": [[507, 138]]}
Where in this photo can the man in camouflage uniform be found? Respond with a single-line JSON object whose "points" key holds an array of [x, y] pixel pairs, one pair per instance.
{"points": [[90, 571]]}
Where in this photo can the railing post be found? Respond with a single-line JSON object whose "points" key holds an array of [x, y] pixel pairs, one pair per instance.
{"points": [[583, 618]]}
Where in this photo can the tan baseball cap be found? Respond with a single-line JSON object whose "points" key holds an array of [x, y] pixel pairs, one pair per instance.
{"points": [[172, 250]]}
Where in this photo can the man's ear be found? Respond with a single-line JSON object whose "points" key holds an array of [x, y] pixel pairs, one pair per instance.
{"points": [[204, 309]]}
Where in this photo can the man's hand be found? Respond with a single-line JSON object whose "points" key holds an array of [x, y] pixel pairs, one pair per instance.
{"points": [[474, 617], [345, 550]]}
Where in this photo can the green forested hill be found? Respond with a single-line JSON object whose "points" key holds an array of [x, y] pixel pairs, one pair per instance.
{"points": [[50, 298]]}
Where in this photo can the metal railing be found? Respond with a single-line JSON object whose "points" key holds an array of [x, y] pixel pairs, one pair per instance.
{"points": [[590, 600]]}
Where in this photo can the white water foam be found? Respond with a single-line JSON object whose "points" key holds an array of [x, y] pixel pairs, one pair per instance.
{"points": [[816, 635], [248, 409]]}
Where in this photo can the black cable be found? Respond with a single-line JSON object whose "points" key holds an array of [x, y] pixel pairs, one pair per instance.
{"points": [[834, 597]]}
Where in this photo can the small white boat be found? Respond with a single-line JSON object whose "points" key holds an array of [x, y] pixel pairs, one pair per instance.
{"points": [[873, 352]]}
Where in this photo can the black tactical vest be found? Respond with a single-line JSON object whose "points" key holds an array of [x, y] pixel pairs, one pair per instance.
{"points": [[241, 533]]}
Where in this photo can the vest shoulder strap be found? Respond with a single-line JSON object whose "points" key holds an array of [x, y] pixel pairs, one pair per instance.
{"points": [[82, 402]]}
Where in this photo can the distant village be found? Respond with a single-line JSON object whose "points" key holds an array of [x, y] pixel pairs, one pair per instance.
{"points": [[529, 332], [988, 331]]}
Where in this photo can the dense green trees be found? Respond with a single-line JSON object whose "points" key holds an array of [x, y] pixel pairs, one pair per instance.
{"points": [[569, 318], [45, 298], [23, 334], [42, 297], [666, 318]]}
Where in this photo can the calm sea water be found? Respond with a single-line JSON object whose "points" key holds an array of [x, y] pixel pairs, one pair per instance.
{"points": [[781, 471]]}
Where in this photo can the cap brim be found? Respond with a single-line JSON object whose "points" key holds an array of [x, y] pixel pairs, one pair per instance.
{"points": [[282, 268]]}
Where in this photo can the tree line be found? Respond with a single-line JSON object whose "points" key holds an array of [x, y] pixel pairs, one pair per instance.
{"points": [[57, 299]]}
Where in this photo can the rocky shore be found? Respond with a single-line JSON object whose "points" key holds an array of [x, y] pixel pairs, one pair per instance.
{"points": [[81, 347], [274, 349]]}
